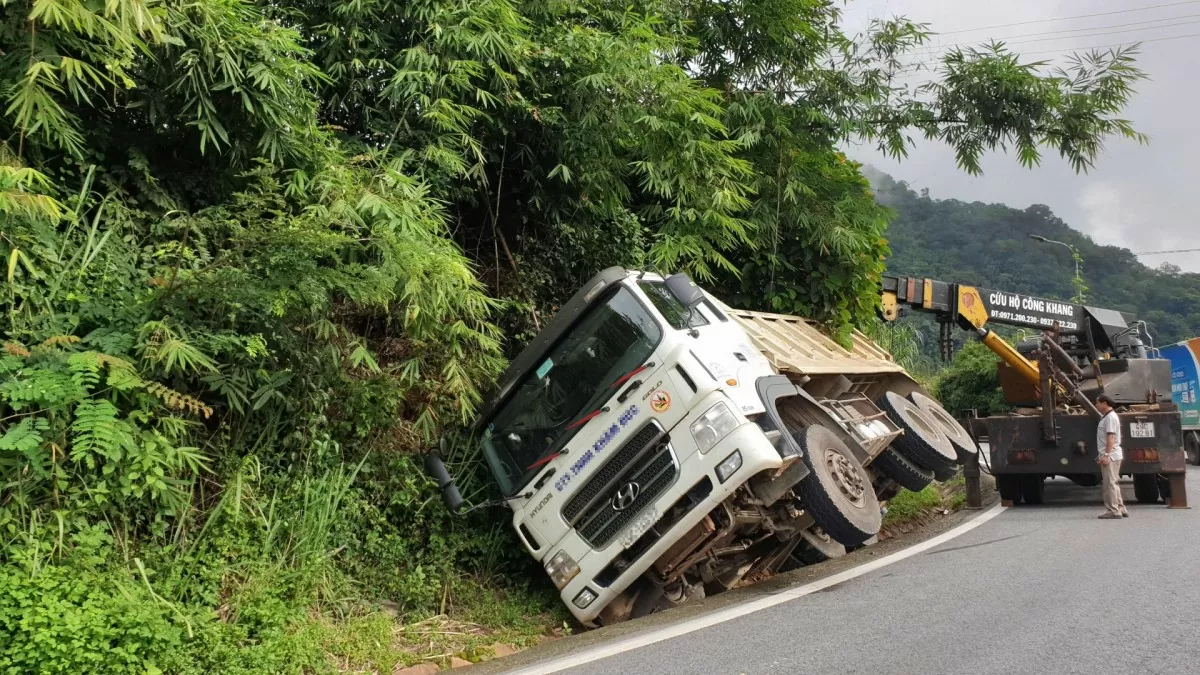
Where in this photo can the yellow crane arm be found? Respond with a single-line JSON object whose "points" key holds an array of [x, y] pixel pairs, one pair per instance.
{"points": [[962, 304]]}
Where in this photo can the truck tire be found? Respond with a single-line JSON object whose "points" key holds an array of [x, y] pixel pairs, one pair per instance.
{"points": [[943, 475], [1164, 488], [817, 547], [1191, 446], [922, 441], [1009, 487], [887, 488], [838, 490], [959, 437], [908, 475], [1145, 488], [1033, 489]]}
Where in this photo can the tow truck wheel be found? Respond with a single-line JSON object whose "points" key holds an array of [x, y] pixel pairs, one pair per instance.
{"points": [[923, 441], [838, 490], [1033, 488], [1145, 488], [908, 475], [1009, 487], [963, 444]]}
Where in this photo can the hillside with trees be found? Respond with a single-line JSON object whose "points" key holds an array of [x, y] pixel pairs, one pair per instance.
{"points": [[988, 245], [258, 256]]}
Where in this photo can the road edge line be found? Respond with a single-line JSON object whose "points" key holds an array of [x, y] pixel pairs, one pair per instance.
{"points": [[638, 641]]}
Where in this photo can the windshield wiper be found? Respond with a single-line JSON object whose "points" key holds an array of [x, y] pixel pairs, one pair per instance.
{"points": [[625, 378], [591, 415], [545, 460]]}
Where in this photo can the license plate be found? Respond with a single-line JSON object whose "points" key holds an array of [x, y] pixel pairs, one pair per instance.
{"points": [[1141, 430], [639, 527]]}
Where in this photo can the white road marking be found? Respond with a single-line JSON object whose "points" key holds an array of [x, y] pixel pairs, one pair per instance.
{"points": [[692, 625]]}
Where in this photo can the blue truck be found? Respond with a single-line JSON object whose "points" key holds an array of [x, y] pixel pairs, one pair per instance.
{"points": [[1185, 389]]}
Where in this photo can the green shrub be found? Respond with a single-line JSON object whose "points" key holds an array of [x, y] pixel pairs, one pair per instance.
{"points": [[68, 619]]}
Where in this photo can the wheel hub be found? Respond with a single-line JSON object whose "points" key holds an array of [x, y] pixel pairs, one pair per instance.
{"points": [[846, 476], [919, 420]]}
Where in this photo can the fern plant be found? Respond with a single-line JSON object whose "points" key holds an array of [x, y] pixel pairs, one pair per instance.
{"points": [[83, 428]]}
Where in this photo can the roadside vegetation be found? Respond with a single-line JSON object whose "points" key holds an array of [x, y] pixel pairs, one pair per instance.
{"points": [[914, 508], [258, 256]]}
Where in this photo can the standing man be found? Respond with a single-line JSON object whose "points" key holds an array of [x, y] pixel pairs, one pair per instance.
{"points": [[1108, 447]]}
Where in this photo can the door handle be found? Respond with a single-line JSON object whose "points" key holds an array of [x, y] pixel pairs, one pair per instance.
{"points": [[629, 391]]}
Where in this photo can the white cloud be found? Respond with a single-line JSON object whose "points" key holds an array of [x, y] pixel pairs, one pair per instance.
{"points": [[1101, 205]]}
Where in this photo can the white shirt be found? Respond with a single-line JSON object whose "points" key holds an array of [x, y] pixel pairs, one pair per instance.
{"points": [[1109, 424]]}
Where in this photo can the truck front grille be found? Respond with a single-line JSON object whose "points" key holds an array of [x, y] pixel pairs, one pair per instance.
{"points": [[607, 503], [611, 470]]}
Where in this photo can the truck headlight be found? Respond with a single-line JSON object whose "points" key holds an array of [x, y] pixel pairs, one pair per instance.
{"points": [[729, 466], [562, 568], [713, 426], [585, 598]]}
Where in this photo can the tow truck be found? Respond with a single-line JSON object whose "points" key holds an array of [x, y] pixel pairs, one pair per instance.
{"points": [[1051, 381]]}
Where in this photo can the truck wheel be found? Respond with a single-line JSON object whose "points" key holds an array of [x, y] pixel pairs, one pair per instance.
{"points": [[922, 441], [1164, 488], [1033, 489], [887, 488], [963, 444], [1191, 446], [943, 475], [650, 600], [838, 490], [817, 547], [908, 475], [1145, 488], [725, 581], [1009, 487]]}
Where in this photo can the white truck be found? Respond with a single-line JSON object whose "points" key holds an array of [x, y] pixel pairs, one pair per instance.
{"points": [[655, 445]]}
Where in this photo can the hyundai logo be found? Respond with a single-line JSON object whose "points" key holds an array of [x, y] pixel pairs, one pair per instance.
{"points": [[626, 496]]}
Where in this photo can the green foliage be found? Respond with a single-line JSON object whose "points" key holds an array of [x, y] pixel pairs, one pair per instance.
{"points": [[971, 382], [906, 343], [908, 505], [65, 619]]}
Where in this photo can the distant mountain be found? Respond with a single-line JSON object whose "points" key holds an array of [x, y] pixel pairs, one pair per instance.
{"points": [[989, 245]]}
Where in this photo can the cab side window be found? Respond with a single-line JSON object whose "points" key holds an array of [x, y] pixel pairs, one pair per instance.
{"points": [[672, 310]]}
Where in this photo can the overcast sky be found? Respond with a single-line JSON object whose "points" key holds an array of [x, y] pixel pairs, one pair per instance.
{"points": [[1145, 198]]}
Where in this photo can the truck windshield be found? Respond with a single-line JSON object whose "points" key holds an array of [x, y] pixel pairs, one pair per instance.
{"points": [[612, 339]]}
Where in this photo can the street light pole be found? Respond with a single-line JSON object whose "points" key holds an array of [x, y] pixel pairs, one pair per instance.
{"points": [[1074, 256]]}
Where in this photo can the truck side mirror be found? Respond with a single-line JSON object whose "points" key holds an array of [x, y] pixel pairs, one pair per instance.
{"points": [[436, 468], [685, 290]]}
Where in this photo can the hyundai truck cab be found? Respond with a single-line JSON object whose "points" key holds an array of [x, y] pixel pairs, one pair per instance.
{"points": [[625, 417]]}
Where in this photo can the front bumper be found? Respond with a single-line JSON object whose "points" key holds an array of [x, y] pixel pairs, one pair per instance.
{"points": [[757, 455]]}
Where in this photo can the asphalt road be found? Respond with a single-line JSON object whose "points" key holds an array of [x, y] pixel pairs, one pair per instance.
{"points": [[1047, 589]]}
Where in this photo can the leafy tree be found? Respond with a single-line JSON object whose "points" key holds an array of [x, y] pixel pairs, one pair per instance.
{"points": [[971, 382]]}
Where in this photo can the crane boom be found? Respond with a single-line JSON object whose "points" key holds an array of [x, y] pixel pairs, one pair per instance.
{"points": [[1092, 329]]}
